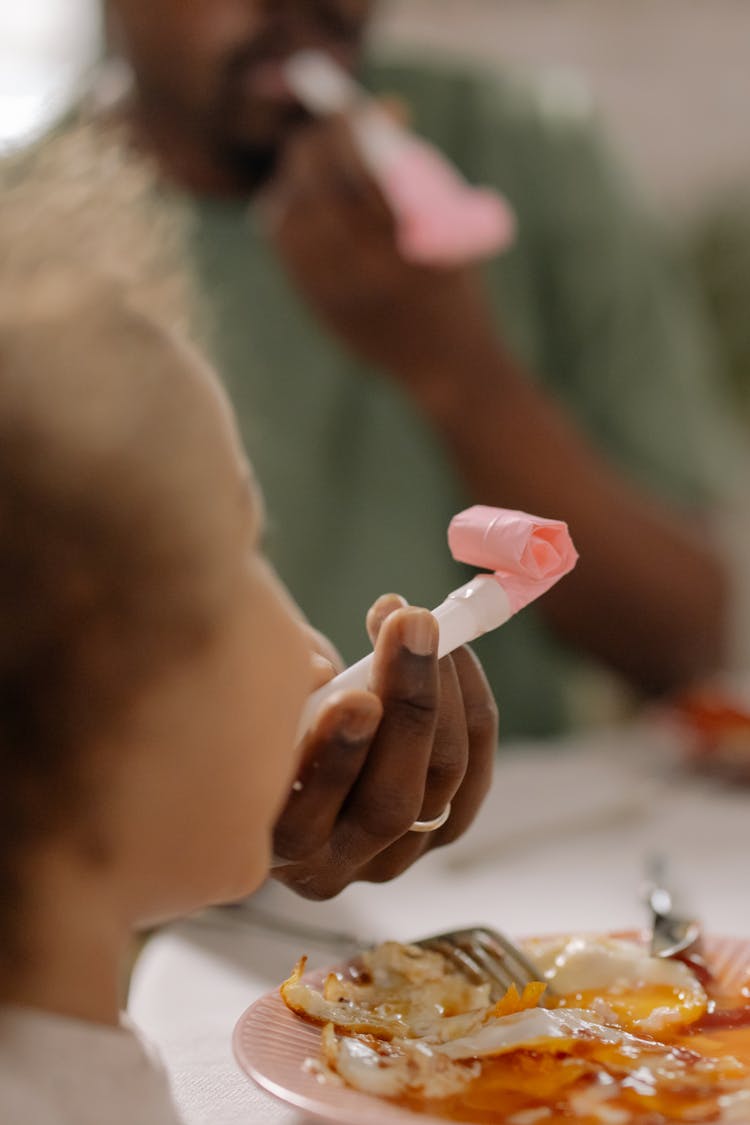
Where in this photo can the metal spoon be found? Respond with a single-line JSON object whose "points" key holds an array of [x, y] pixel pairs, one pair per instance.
{"points": [[671, 933]]}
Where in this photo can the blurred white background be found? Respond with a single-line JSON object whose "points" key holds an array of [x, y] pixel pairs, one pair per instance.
{"points": [[47, 48], [671, 77]]}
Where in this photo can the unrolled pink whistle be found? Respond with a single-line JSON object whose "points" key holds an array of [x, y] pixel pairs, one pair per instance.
{"points": [[527, 555], [441, 220]]}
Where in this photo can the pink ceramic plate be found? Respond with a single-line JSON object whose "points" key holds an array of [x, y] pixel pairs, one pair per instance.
{"points": [[271, 1044]]}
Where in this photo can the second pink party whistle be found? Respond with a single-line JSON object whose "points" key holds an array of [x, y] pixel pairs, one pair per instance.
{"points": [[441, 220], [526, 554]]}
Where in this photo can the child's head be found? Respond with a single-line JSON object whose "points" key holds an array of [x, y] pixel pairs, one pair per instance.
{"points": [[152, 670]]}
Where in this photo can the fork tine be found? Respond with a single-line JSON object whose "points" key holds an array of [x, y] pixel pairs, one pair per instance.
{"points": [[472, 961], [486, 956], [495, 969], [459, 958], [524, 970]]}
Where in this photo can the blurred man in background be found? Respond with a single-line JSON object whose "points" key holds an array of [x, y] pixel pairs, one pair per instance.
{"points": [[720, 244], [571, 378]]}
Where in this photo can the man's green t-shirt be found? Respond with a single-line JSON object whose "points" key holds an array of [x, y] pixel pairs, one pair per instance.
{"points": [[358, 490]]}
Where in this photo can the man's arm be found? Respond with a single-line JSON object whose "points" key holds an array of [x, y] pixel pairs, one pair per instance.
{"points": [[650, 594]]}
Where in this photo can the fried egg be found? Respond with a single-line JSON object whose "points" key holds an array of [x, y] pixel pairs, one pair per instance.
{"points": [[643, 993], [405, 1025]]}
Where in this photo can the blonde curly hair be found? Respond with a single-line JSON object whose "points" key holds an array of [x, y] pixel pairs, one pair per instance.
{"points": [[102, 566], [82, 206]]}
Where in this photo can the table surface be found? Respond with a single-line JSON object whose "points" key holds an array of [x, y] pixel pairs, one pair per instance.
{"points": [[560, 845]]}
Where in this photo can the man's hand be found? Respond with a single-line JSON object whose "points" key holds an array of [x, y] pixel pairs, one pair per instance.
{"points": [[377, 761], [335, 234]]}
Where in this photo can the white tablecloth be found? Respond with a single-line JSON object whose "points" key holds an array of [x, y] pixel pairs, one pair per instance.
{"points": [[559, 846]]}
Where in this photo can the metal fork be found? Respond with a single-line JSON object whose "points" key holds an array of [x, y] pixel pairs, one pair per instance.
{"points": [[485, 956]]}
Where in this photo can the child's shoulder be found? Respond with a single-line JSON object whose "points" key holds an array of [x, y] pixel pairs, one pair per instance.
{"points": [[54, 1070]]}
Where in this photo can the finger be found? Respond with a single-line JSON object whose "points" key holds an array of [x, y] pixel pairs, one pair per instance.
{"points": [[307, 213], [351, 168], [270, 209], [389, 791], [397, 109], [341, 860], [321, 645], [320, 876], [322, 671], [448, 766], [481, 719], [329, 154], [450, 754], [312, 169], [395, 859], [313, 880], [385, 605], [323, 164], [333, 755], [338, 864]]}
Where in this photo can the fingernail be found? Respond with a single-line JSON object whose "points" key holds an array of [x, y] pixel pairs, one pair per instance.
{"points": [[357, 726], [321, 664], [382, 609], [420, 633], [387, 604]]}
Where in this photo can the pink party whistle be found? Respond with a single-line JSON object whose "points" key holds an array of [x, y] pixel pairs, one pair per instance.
{"points": [[527, 555], [441, 220]]}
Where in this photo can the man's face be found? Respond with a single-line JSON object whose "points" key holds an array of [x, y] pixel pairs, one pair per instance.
{"points": [[212, 69]]}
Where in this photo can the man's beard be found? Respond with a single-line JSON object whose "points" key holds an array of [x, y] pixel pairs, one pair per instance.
{"points": [[252, 162], [252, 165]]}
